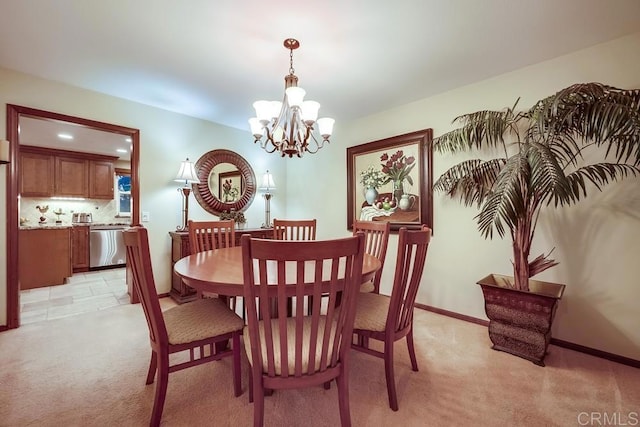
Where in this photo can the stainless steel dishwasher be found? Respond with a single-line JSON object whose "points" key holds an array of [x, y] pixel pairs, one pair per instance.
{"points": [[106, 246]]}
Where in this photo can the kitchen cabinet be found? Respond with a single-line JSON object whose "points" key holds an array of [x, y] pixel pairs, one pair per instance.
{"points": [[101, 179], [180, 249], [44, 257], [47, 172], [80, 248], [72, 175], [36, 174]]}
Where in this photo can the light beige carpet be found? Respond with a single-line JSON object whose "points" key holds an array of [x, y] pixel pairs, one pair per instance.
{"points": [[89, 370]]}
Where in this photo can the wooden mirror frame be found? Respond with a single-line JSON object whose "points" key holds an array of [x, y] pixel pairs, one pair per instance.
{"points": [[13, 121], [202, 192]]}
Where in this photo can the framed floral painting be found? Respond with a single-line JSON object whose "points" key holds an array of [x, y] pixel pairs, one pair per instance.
{"points": [[230, 186], [391, 180]]}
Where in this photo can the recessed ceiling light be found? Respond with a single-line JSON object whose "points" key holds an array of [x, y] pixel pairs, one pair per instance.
{"points": [[65, 136], [128, 139], [121, 150]]}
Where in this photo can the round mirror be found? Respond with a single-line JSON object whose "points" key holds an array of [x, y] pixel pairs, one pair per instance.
{"points": [[226, 182]]}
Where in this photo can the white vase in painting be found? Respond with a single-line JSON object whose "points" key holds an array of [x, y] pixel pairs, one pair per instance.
{"points": [[370, 195]]}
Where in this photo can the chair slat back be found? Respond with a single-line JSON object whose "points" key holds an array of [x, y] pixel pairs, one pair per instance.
{"points": [[377, 239], [136, 241], [207, 235], [294, 229], [412, 254], [277, 273]]}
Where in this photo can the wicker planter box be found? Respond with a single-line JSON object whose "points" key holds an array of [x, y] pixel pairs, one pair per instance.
{"points": [[520, 321]]}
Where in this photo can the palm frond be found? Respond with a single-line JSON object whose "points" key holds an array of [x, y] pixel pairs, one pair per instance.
{"points": [[482, 127], [508, 201], [600, 174], [595, 113], [541, 263], [548, 180], [471, 180]]}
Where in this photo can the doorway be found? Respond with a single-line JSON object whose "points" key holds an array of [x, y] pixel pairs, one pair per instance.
{"points": [[15, 114]]}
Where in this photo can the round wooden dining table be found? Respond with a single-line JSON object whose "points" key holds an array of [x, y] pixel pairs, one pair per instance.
{"points": [[219, 271]]}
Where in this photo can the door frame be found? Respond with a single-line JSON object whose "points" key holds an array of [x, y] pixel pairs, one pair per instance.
{"points": [[13, 120]]}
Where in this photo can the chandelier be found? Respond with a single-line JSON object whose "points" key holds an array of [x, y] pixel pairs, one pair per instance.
{"points": [[290, 125]]}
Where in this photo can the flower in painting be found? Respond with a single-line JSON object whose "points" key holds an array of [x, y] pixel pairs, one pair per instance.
{"points": [[398, 166], [230, 193], [373, 178]]}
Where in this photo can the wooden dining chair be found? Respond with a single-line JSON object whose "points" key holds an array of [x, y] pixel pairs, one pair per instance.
{"points": [[302, 349], [390, 318], [208, 235], [193, 328], [294, 229], [376, 241]]}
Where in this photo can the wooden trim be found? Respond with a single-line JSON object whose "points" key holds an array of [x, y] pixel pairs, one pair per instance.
{"points": [[453, 314], [597, 353], [13, 115], [560, 343], [122, 171]]}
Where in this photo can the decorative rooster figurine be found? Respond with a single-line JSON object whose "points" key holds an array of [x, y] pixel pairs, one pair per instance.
{"points": [[43, 209]]}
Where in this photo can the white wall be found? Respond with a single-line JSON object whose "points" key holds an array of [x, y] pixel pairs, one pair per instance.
{"points": [[165, 140], [597, 242]]}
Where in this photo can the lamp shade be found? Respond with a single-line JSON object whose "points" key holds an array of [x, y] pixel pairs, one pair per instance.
{"points": [[187, 173], [267, 184]]}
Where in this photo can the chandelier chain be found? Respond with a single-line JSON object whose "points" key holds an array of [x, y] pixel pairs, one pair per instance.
{"points": [[291, 69]]}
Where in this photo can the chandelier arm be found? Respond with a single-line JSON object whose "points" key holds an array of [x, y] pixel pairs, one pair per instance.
{"points": [[318, 146], [265, 144]]}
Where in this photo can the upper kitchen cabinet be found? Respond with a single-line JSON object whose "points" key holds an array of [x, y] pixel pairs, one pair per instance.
{"points": [[47, 172], [72, 175], [36, 174], [101, 179]]}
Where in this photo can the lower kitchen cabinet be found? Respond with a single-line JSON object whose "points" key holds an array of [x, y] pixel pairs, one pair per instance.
{"points": [[180, 249], [44, 257], [80, 248]]}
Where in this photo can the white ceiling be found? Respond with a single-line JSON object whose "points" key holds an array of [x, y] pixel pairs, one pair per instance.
{"points": [[46, 133], [212, 59]]}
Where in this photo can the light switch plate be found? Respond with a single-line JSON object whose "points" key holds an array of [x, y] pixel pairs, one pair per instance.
{"points": [[145, 216]]}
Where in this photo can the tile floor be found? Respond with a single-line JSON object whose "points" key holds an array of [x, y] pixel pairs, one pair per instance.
{"points": [[84, 292]]}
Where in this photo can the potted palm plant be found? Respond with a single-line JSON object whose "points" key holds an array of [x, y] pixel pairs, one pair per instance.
{"points": [[542, 162]]}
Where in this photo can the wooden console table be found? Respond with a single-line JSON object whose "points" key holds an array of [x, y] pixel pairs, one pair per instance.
{"points": [[180, 248]]}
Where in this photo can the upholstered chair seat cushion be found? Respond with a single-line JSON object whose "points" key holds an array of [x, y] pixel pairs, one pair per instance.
{"points": [[200, 319], [367, 286], [291, 336], [371, 312]]}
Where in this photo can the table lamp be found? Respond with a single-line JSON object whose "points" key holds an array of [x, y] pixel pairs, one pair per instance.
{"points": [[267, 186], [187, 174]]}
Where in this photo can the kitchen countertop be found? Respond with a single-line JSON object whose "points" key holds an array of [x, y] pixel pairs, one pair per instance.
{"points": [[44, 226], [50, 225]]}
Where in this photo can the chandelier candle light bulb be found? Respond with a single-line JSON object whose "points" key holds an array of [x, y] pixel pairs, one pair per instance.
{"points": [[290, 125]]}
